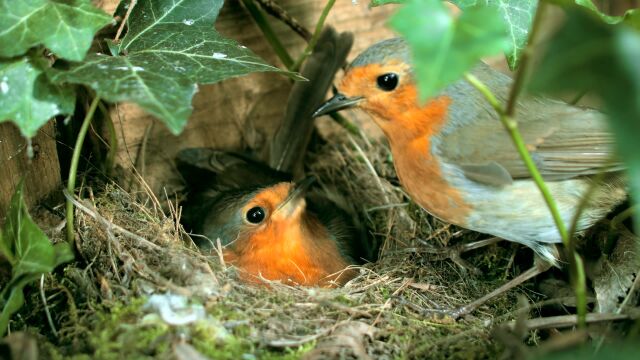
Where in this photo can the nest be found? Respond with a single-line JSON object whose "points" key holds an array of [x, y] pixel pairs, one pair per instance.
{"points": [[395, 308]]}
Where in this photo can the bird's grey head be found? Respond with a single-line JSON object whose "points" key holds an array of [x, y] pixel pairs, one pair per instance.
{"points": [[383, 52]]}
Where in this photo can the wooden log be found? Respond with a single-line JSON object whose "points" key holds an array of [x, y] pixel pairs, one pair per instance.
{"points": [[42, 172]]}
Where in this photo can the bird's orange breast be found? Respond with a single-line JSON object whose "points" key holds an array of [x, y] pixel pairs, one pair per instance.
{"points": [[410, 127], [290, 253]]}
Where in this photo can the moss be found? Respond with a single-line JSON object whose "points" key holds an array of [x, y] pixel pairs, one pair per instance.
{"points": [[215, 342], [119, 333]]}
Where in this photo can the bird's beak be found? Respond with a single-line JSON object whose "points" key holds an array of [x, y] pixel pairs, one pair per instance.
{"points": [[295, 200], [337, 102]]}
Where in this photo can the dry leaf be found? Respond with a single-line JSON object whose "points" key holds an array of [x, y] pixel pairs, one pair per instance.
{"points": [[618, 272], [347, 341]]}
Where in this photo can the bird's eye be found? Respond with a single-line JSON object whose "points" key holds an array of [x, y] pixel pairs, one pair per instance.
{"points": [[255, 215], [388, 81]]}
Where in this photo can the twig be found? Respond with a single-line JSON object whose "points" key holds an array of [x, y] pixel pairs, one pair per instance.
{"points": [[316, 35], [220, 253], [276, 10], [287, 343], [565, 321], [46, 307], [73, 169], [132, 4]]}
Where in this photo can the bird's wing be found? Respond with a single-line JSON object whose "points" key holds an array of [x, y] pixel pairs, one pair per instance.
{"points": [[209, 169], [565, 141]]}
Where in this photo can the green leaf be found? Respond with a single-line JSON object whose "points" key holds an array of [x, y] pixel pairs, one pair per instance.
{"points": [[30, 253], [517, 15], [443, 48], [12, 299], [66, 27], [170, 46], [137, 78], [384, 2], [149, 17], [588, 55], [631, 17], [28, 98]]}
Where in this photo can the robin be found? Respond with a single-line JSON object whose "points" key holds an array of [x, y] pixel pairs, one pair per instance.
{"points": [[275, 230], [455, 159], [269, 226]]}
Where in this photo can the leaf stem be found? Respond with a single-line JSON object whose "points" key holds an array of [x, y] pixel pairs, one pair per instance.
{"points": [[73, 169], [268, 33], [316, 35], [576, 267]]}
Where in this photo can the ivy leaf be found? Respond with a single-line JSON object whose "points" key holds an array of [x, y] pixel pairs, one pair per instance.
{"points": [[443, 47], [137, 78], [29, 252], [150, 16], [28, 98], [66, 27], [631, 17], [517, 15], [170, 46], [588, 55]]}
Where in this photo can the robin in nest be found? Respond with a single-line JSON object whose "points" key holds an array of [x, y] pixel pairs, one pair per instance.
{"points": [[269, 226], [455, 159]]}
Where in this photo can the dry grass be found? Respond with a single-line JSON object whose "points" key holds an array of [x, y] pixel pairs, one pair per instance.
{"points": [[396, 307]]}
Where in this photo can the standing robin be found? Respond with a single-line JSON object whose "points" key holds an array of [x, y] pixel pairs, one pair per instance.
{"points": [[270, 227], [455, 159]]}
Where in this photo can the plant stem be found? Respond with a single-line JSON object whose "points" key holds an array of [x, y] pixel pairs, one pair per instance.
{"points": [[575, 262], [268, 33], [73, 169], [576, 267], [580, 288], [316, 35], [512, 127], [113, 140], [624, 215]]}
